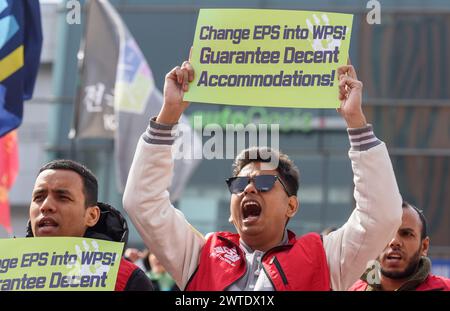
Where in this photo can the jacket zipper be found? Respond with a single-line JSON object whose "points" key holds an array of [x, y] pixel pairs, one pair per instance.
{"points": [[270, 279], [277, 264]]}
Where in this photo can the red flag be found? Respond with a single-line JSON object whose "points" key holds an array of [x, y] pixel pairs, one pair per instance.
{"points": [[9, 166]]}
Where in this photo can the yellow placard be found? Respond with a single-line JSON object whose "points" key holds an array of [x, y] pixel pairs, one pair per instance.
{"points": [[273, 58], [59, 263]]}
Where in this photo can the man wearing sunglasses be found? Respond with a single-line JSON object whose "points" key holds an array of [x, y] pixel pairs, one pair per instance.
{"points": [[263, 254]]}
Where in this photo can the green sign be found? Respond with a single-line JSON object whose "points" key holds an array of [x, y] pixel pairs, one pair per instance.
{"points": [[59, 263], [274, 58], [288, 119]]}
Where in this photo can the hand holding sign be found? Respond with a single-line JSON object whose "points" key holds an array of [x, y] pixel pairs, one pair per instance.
{"points": [[176, 84], [350, 94]]}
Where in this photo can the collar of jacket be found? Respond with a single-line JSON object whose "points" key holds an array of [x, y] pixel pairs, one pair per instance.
{"points": [[288, 239], [422, 272]]}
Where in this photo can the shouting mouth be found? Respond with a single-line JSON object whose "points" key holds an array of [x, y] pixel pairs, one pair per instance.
{"points": [[251, 211], [47, 225], [394, 257]]}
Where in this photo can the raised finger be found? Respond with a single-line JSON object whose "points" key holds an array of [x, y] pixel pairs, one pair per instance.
{"points": [[347, 80], [348, 70], [189, 69], [172, 75], [342, 70], [344, 81], [185, 78], [179, 74], [352, 72]]}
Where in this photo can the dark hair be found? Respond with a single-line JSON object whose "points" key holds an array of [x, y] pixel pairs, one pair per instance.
{"points": [[90, 185], [423, 220], [286, 168]]}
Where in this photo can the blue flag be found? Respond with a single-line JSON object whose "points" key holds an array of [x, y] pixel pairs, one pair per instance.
{"points": [[20, 51]]}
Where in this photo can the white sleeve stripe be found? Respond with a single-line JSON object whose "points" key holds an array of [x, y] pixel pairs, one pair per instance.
{"points": [[368, 133], [363, 142]]}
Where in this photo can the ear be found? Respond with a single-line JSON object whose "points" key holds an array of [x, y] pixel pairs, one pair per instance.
{"points": [[92, 215], [293, 206], [425, 245], [230, 220]]}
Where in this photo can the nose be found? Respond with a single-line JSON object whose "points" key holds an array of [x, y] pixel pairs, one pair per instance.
{"points": [[250, 188], [395, 242], [47, 206]]}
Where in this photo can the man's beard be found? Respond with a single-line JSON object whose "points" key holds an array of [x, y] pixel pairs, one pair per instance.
{"points": [[409, 270]]}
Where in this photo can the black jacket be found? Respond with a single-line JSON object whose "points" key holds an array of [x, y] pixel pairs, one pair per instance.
{"points": [[112, 226]]}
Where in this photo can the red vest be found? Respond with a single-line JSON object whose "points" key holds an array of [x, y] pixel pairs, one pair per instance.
{"points": [[299, 265], [431, 283], [126, 268]]}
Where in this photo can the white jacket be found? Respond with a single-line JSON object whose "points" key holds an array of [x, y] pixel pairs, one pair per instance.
{"points": [[177, 244]]}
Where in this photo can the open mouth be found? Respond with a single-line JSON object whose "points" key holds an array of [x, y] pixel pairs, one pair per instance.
{"points": [[394, 257], [47, 224], [251, 210]]}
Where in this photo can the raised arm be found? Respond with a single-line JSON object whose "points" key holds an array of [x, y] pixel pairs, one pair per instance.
{"points": [[163, 228], [378, 211]]}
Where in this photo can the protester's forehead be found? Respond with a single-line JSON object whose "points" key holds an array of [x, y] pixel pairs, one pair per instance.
{"points": [[59, 178], [257, 168], [411, 220]]}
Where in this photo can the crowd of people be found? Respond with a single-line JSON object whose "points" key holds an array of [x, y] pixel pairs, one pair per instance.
{"points": [[263, 254]]}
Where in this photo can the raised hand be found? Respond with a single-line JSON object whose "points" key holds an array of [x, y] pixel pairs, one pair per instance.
{"points": [[350, 95], [176, 84]]}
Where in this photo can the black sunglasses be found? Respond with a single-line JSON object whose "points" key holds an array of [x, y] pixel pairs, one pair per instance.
{"points": [[263, 183]]}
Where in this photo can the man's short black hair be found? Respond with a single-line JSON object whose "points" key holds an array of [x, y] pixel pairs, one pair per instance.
{"points": [[90, 185], [287, 170], [423, 220]]}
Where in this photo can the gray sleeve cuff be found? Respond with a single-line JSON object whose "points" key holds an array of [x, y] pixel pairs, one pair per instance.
{"points": [[159, 133], [362, 139]]}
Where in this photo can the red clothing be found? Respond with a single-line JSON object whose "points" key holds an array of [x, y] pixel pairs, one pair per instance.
{"points": [[431, 283], [299, 265], [126, 269]]}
